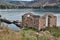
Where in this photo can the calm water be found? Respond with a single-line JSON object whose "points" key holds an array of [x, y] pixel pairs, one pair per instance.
{"points": [[15, 14]]}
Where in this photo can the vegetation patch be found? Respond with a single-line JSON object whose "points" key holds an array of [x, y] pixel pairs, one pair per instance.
{"points": [[55, 31], [28, 34]]}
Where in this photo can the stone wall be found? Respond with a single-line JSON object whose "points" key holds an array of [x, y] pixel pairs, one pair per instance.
{"points": [[26, 20], [52, 20], [30, 20], [42, 22], [38, 22]]}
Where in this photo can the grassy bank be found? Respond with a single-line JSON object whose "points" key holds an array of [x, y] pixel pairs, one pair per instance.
{"points": [[55, 31], [27, 34]]}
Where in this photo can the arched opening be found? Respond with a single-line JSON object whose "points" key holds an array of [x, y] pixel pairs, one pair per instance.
{"points": [[46, 21]]}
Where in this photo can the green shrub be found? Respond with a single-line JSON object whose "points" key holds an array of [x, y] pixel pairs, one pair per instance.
{"points": [[30, 28], [55, 31]]}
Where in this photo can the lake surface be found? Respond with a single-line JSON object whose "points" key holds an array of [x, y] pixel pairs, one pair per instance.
{"points": [[16, 14]]}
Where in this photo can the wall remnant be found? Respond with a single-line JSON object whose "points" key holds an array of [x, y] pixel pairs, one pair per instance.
{"points": [[39, 22]]}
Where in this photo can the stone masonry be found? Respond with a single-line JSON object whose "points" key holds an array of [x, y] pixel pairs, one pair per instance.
{"points": [[52, 21], [42, 22], [35, 21], [30, 20]]}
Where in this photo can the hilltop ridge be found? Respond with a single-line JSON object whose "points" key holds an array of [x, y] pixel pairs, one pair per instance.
{"points": [[38, 3]]}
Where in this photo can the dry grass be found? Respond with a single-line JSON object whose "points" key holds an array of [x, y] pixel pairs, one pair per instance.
{"points": [[7, 34]]}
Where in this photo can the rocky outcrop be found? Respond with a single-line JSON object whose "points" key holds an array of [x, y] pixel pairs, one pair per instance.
{"points": [[17, 23], [6, 21]]}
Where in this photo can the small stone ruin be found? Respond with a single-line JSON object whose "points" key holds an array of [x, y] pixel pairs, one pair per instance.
{"points": [[39, 22]]}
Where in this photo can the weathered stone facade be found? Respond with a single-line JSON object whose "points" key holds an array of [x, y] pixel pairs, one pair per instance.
{"points": [[30, 20], [52, 21], [42, 22], [38, 22]]}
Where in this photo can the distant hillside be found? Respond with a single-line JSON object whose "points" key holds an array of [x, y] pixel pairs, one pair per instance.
{"points": [[35, 3], [28, 4]]}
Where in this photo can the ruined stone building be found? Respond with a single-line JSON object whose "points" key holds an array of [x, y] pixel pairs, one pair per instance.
{"points": [[52, 20], [38, 22], [30, 20]]}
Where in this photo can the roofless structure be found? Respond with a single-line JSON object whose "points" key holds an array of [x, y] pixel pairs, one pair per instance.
{"points": [[38, 22], [34, 21]]}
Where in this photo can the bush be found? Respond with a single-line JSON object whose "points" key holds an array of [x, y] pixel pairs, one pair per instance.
{"points": [[31, 35], [30, 28], [55, 31]]}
